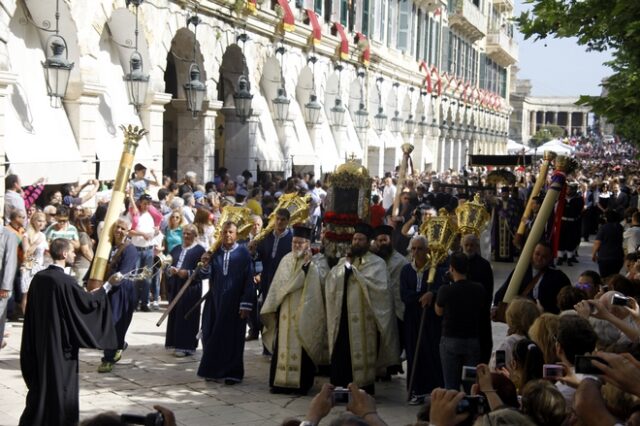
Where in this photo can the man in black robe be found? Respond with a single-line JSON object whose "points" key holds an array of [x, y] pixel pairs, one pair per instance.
{"points": [[227, 307], [182, 331], [270, 252], [571, 227], [480, 271], [61, 318], [123, 300], [541, 282]]}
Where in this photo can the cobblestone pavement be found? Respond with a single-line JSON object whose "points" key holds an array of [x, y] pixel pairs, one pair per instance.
{"points": [[148, 375]]}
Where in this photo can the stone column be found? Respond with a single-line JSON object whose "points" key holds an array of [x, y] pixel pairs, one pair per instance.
{"points": [[443, 153], [569, 126], [584, 123], [6, 79], [534, 123], [152, 118], [83, 118], [554, 117], [240, 151], [196, 139]]}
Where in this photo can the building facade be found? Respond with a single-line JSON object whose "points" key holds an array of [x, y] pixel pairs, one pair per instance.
{"points": [[531, 113], [437, 69]]}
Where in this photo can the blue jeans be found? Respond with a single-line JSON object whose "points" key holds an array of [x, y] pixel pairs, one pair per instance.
{"points": [[454, 354], [145, 259]]}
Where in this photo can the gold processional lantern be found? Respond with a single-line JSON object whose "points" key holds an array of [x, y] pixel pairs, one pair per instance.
{"points": [[441, 232], [298, 207], [241, 216], [472, 217]]}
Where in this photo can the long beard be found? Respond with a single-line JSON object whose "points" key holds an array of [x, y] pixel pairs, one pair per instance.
{"points": [[298, 253], [357, 251], [384, 251]]}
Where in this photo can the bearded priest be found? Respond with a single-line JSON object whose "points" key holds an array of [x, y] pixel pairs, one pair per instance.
{"points": [[361, 323], [294, 319]]}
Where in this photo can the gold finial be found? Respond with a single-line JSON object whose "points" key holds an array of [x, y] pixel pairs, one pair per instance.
{"points": [[407, 148], [566, 164], [132, 135], [352, 157]]}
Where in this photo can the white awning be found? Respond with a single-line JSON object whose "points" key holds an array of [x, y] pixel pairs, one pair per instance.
{"points": [[39, 141], [300, 145], [113, 111], [268, 154]]}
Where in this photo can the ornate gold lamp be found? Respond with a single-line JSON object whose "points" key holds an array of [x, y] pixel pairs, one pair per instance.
{"points": [[472, 217]]}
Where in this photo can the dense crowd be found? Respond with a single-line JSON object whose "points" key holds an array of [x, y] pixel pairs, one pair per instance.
{"points": [[571, 351]]}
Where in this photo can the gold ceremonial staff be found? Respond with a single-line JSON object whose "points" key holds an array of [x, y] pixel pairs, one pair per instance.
{"points": [[132, 136], [549, 156], [241, 217], [440, 232]]}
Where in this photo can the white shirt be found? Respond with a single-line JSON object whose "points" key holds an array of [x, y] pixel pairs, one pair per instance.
{"points": [[388, 195], [145, 225]]}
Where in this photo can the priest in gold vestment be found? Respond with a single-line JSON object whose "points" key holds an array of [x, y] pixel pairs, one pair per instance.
{"points": [[361, 324], [294, 321]]}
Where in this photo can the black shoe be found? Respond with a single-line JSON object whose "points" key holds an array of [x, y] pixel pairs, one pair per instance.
{"points": [[561, 260], [574, 259], [145, 308], [230, 382], [569, 262]]}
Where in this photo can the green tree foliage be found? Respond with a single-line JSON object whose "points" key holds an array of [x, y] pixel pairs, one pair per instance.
{"points": [[545, 134], [599, 25]]}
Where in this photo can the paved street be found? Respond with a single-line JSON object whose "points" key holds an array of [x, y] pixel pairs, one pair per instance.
{"points": [[149, 375]]}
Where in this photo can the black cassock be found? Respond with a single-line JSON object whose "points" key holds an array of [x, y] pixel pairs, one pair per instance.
{"points": [[181, 332], [231, 282], [428, 373], [61, 317]]}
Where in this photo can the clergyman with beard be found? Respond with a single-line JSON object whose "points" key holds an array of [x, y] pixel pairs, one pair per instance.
{"points": [[395, 262], [294, 319], [480, 271], [361, 324]]}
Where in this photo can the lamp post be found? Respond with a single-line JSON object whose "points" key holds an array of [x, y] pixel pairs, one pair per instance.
{"points": [[312, 108], [281, 102], [195, 90], [380, 119], [243, 97], [361, 116], [56, 67], [137, 81], [337, 111]]}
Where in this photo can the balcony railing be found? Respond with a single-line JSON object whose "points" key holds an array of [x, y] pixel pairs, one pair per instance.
{"points": [[503, 5], [502, 48], [468, 19]]}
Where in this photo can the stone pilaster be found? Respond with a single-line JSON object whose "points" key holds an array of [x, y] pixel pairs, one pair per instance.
{"points": [[6, 79], [152, 117]]}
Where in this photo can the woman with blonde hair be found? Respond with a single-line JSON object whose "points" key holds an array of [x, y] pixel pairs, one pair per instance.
{"points": [[520, 315], [173, 231], [544, 403], [34, 244], [543, 332]]}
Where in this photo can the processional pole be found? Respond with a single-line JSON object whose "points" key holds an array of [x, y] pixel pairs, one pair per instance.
{"points": [[132, 136], [564, 166]]}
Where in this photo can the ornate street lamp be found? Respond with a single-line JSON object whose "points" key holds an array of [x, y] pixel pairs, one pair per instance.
{"points": [[243, 97], [361, 116], [380, 119], [57, 68], [281, 102], [410, 123], [396, 121], [312, 108], [338, 110], [194, 90], [137, 81]]}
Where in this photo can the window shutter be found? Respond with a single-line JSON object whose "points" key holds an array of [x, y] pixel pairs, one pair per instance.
{"points": [[404, 21]]}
